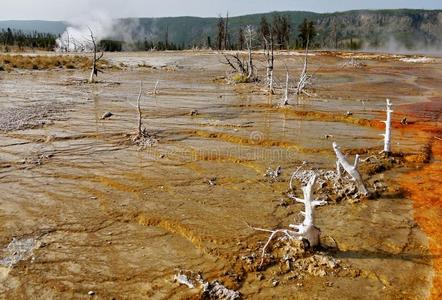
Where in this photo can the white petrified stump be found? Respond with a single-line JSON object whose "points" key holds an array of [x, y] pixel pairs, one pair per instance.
{"points": [[352, 170], [387, 135]]}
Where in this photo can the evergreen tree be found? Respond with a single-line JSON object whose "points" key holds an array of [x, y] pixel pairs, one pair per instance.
{"points": [[264, 30], [281, 30], [307, 32], [241, 39], [221, 33]]}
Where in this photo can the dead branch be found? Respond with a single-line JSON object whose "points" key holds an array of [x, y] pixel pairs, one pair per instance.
{"points": [[237, 65]]}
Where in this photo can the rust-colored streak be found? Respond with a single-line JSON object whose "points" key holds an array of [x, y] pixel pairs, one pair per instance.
{"points": [[425, 186]]}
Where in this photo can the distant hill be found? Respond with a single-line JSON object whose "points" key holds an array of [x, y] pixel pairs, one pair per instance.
{"points": [[54, 27], [388, 29]]}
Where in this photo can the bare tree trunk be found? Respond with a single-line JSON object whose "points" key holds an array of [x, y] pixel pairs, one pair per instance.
{"points": [[304, 78], [285, 101], [269, 53], [352, 170], [95, 59], [307, 229], [155, 90], [140, 116], [226, 32], [249, 33], [387, 135]]}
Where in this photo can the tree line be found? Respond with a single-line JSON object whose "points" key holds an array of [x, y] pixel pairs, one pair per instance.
{"points": [[35, 40], [278, 31]]}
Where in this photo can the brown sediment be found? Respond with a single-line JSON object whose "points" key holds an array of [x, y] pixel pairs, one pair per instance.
{"points": [[178, 228], [215, 156], [322, 116], [166, 216], [255, 141]]}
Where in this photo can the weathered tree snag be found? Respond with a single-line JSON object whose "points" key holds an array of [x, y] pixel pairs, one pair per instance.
{"points": [[352, 63], [155, 90], [285, 100], [96, 58], [226, 33], [387, 135], [304, 78], [270, 58], [352, 170], [237, 65], [306, 230], [140, 116], [142, 138], [249, 41]]}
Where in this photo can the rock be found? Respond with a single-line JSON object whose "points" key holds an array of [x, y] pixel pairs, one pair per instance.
{"points": [[273, 174], [106, 115], [404, 121], [184, 279], [91, 293], [194, 113], [212, 181], [215, 290]]}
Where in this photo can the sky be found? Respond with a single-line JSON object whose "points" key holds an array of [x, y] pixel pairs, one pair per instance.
{"points": [[75, 9]]}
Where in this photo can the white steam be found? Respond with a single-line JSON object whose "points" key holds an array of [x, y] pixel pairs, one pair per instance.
{"points": [[77, 37], [393, 45]]}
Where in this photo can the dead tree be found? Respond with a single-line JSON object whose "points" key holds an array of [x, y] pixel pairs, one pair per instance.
{"points": [[142, 138], [226, 33], [236, 63], [140, 116], [306, 230], [285, 100], [270, 58], [244, 67], [352, 63], [96, 58], [250, 33], [304, 79], [387, 135], [155, 90], [352, 170]]}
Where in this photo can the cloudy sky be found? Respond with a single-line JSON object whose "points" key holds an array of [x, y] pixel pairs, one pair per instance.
{"points": [[74, 9]]}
